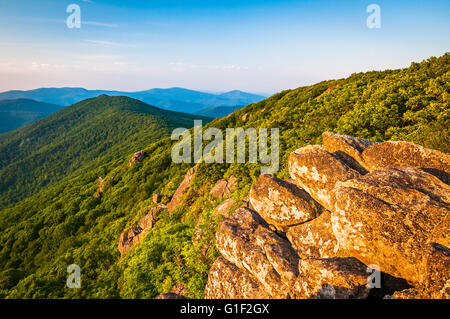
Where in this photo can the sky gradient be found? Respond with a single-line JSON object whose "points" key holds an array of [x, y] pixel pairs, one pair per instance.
{"points": [[258, 46]]}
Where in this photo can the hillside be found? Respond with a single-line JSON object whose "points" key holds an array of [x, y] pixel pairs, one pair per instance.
{"points": [[174, 99], [21, 112], [79, 137], [66, 223], [218, 111]]}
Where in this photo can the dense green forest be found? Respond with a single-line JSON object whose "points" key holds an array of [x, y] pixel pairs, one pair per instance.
{"points": [[21, 112], [65, 224], [78, 138]]}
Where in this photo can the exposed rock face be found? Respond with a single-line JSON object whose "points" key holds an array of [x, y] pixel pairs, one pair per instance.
{"points": [[334, 278], [347, 148], [224, 188], [245, 117], [245, 240], [137, 157], [226, 281], [315, 239], [157, 198], [182, 188], [281, 203], [224, 208], [317, 171], [389, 213], [135, 235], [408, 154], [179, 289], [99, 192], [386, 216], [435, 280]]}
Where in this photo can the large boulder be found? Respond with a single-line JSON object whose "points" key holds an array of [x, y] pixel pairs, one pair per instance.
{"points": [[226, 281], [386, 216], [133, 236], [317, 171], [182, 189], [315, 239], [137, 157], [435, 280], [408, 154], [224, 208], [281, 203], [223, 187], [376, 215], [332, 278], [347, 148], [245, 240]]}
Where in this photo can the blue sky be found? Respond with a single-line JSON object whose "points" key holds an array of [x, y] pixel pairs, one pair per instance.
{"points": [[259, 46]]}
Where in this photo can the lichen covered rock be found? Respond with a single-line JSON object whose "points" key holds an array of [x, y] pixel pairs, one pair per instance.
{"points": [[281, 203], [315, 239], [332, 278], [317, 171], [354, 211], [386, 216], [245, 240], [408, 154], [226, 281], [182, 188]]}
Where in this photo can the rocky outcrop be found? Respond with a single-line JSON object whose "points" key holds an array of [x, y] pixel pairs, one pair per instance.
{"points": [[315, 239], [333, 278], [281, 203], [435, 279], [246, 240], [349, 149], [157, 198], [182, 188], [408, 154], [317, 171], [224, 208], [99, 193], [245, 117], [386, 216], [349, 217], [137, 157], [223, 187], [133, 236], [226, 281]]}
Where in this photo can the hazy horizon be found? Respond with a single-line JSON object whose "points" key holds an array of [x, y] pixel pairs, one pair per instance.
{"points": [[257, 46]]}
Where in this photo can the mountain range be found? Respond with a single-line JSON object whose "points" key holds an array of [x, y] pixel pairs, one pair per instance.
{"points": [[174, 99], [52, 170], [79, 137], [21, 112]]}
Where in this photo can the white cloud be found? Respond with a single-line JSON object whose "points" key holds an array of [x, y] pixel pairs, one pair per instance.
{"points": [[92, 23], [107, 43], [99, 24]]}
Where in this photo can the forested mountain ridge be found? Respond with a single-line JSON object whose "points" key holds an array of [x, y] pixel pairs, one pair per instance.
{"points": [[174, 99], [81, 136], [21, 112], [65, 224]]}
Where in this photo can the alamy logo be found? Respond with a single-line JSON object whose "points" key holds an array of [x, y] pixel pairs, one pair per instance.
{"points": [[214, 151], [74, 279], [374, 279], [374, 19], [73, 20]]}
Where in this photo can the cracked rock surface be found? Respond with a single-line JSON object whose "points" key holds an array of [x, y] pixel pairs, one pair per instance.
{"points": [[351, 206]]}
